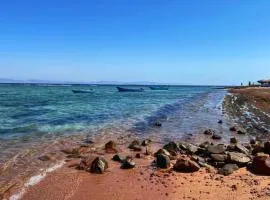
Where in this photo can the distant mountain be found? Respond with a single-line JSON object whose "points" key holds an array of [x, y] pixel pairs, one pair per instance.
{"points": [[37, 81]]}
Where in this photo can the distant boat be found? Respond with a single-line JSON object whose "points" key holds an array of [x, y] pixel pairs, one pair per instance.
{"points": [[121, 89], [82, 91], [158, 87]]}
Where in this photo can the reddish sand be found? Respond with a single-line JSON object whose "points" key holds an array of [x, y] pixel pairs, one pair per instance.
{"points": [[145, 182]]}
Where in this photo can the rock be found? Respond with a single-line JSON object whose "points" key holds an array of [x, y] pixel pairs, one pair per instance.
{"points": [[134, 143], [186, 165], [233, 140], [119, 158], [146, 142], [138, 155], [71, 151], [242, 149], [189, 148], [47, 157], [253, 141], [238, 158], [209, 132], [233, 128], [257, 148], [163, 161], [228, 169], [110, 147], [128, 164], [241, 131], [199, 160], [158, 124], [216, 137], [99, 165], [219, 157], [148, 151], [220, 121], [216, 149], [267, 147], [172, 147], [261, 165], [162, 151], [205, 144]]}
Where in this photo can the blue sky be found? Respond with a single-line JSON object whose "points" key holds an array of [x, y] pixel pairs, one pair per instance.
{"points": [[169, 41]]}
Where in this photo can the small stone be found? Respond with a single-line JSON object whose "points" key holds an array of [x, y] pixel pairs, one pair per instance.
{"points": [[233, 140], [220, 121], [162, 151], [138, 155], [128, 164], [172, 147], [158, 124], [119, 158], [209, 132], [134, 143], [146, 142], [99, 165], [110, 147], [233, 128], [163, 161], [228, 169], [216, 137]]}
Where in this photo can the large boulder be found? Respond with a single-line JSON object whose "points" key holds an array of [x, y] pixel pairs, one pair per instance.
{"points": [[228, 169], [172, 147], [238, 158], [261, 165], [163, 161], [186, 165], [110, 147]]}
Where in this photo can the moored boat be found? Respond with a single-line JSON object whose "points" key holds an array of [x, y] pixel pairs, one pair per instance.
{"points": [[82, 91], [158, 87], [121, 89]]}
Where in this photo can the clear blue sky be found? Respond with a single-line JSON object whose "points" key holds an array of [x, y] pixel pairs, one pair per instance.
{"points": [[171, 41]]}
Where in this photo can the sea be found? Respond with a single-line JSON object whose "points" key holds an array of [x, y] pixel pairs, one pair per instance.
{"points": [[33, 115]]}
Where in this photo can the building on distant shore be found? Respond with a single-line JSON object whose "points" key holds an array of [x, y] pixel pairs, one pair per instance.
{"points": [[264, 83]]}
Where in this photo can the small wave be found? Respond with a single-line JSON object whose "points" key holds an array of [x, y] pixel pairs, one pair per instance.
{"points": [[35, 180]]}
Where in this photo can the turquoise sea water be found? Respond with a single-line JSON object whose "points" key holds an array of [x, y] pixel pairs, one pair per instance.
{"points": [[36, 113]]}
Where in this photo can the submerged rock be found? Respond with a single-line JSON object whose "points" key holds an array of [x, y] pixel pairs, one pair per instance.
{"points": [[186, 165], [128, 164], [209, 132], [233, 128], [220, 121], [119, 158], [261, 165], [228, 169], [110, 147], [216, 137], [163, 161], [233, 140], [158, 124]]}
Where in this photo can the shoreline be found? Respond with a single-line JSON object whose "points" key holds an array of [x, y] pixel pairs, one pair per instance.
{"points": [[144, 163]]}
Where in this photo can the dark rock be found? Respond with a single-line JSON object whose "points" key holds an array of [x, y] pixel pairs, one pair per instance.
{"points": [[216, 149], [228, 169], [128, 164], [163, 161], [238, 158], [186, 165], [242, 149], [138, 155], [158, 124], [233, 128], [257, 148], [162, 151], [218, 164], [267, 147], [71, 151], [209, 132], [241, 131], [119, 158], [47, 157], [219, 157], [253, 141], [199, 160], [99, 165], [189, 148], [261, 165], [110, 147], [216, 137], [231, 147], [233, 140], [220, 121], [88, 141], [146, 142], [172, 147]]}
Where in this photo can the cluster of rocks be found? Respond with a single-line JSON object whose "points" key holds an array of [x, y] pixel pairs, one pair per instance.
{"points": [[187, 157]]}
